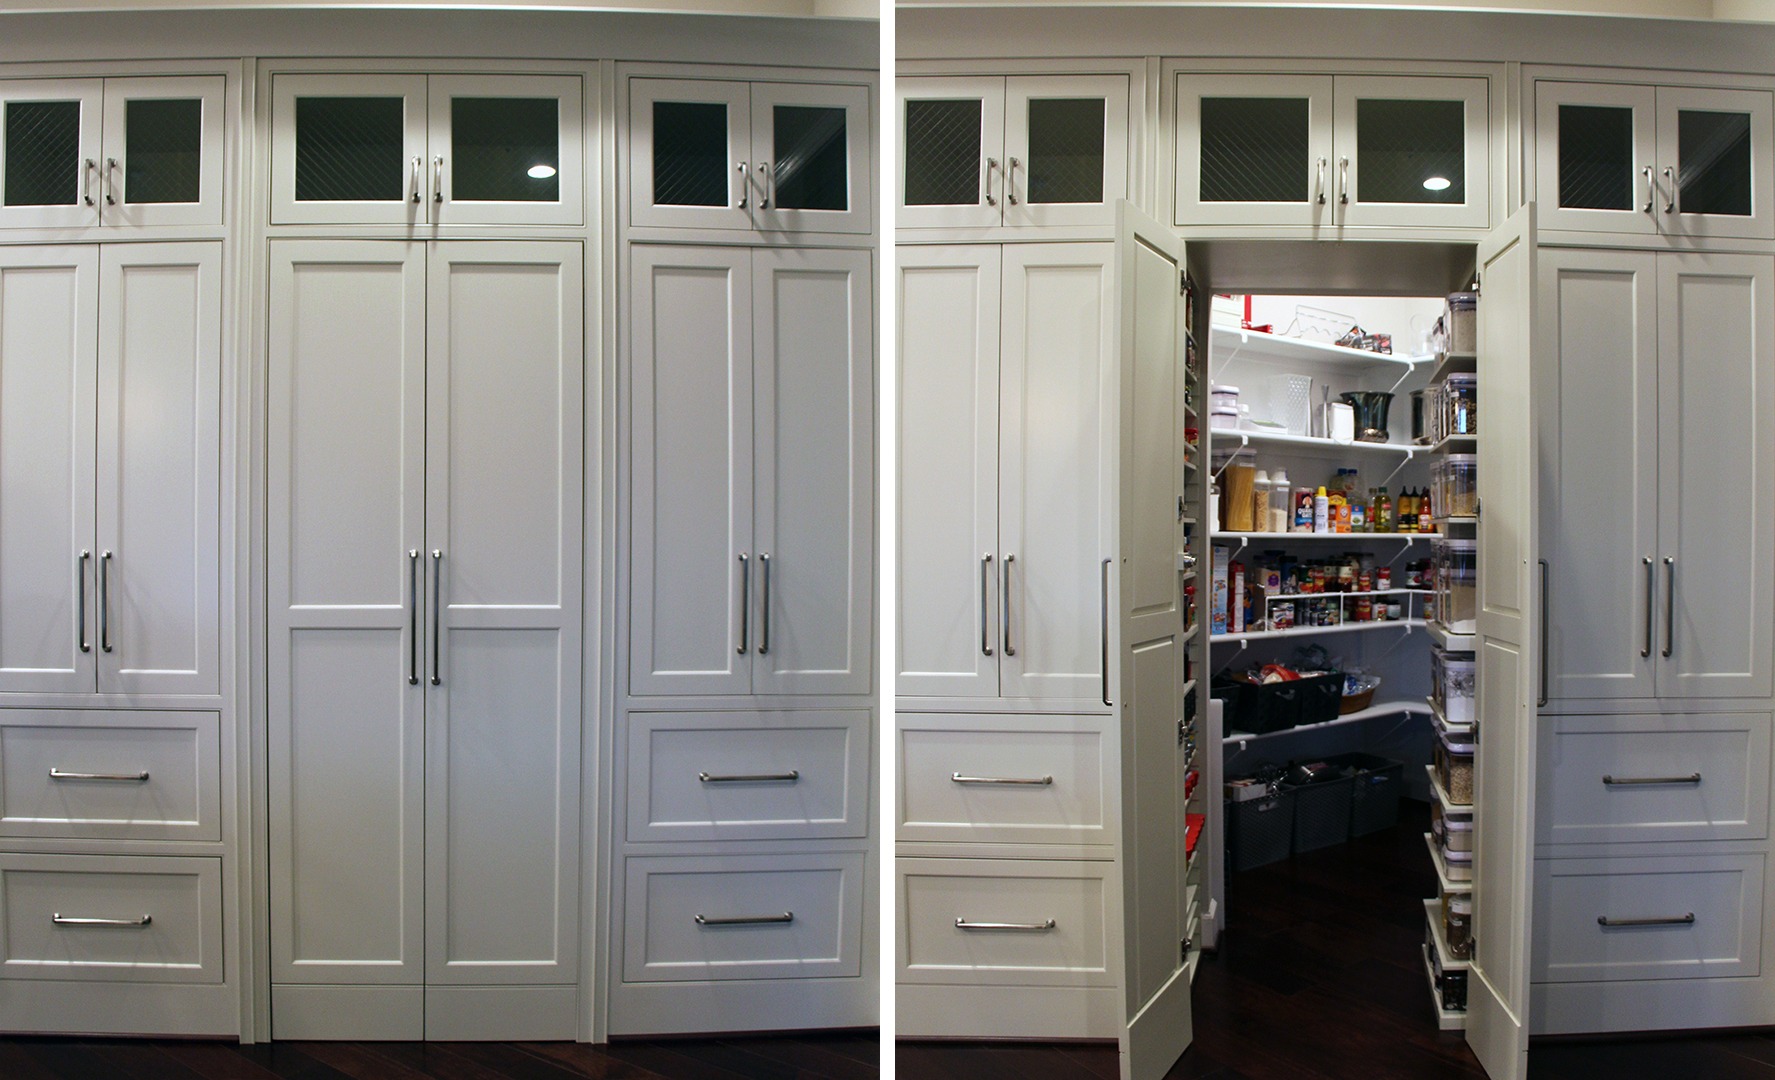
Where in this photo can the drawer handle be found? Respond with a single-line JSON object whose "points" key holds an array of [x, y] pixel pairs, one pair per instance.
{"points": [[1031, 781], [1612, 781], [1015, 927], [752, 778], [120, 778], [62, 920], [1668, 920], [744, 920]]}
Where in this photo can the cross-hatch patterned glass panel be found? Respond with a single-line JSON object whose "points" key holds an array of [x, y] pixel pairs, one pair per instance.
{"points": [[1255, 150], [810, 160], [351, 149], [1713, 162], [42, 153], [1066, 150], [1411, 151], [163, 151], [1596, 157], [505, 149], [690, 153], [943, 157]]}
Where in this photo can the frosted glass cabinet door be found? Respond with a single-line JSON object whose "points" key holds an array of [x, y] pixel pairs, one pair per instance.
{"points": [[1412, 151], [690, 160], [349, 150], [506, 149], [952, 162], [163, 151], [1254, 149], [1594, 157], [1714, 162], [49, 153], [1066, 149], [810, 157]]}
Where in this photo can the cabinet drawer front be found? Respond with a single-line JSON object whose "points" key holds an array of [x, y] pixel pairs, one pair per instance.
{"points": [[1709, 772], [1027, 923], [1676, 917], [111, 918], [748, 776], [1023, 779], [699, 918], [119, 776]]}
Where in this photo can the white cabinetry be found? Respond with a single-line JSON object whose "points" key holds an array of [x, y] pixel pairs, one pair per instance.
{"points": [[425, 616]]}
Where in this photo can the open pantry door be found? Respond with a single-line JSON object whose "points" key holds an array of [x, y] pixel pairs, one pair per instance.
{"points": [[1511, 665], [1143, 639]]}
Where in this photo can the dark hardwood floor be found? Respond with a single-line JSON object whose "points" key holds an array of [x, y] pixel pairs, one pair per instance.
{"points": [[1319, 978]]}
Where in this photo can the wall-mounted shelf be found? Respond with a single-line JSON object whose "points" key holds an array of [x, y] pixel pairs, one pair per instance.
{"points": [[1409, 538], [1273, 347], [1385, 708], [1453, 364], [1224, 438], [1441, 864], [1312, 631], [1450, 642], [1442, 721]]}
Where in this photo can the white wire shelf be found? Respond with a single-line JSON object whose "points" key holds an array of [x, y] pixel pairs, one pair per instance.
{"points": [[1314, 631], [1222, 438], [1276, 347], [1385, 708]]}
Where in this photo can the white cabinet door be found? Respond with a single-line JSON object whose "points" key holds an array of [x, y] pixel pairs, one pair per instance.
{"points": [[947, 539], [1599, 470], [1715, 162], [164, 142], [1254, 150], [506, 149], [49, 319], [349, 150], [689, 153], [345, 613], [1595, 148], [1066, 149], [1056, 445], [159, 468], [814, 433], [1716, 490], [952, 164], [692, 567], [49, 153], [1413, 151], [811, 163], [504, 386]]}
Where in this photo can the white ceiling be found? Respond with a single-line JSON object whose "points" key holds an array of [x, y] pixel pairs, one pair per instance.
{"points": [[842, 9], [1726, 10]]}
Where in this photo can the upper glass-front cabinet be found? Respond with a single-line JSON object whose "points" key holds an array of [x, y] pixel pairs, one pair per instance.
{"points": [[757, 156], [1685, 161], [1018, 150], [134, 151], [416, 149], [1333, 151]]}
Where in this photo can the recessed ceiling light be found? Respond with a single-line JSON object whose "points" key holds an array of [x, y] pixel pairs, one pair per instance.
{"points": [[543, 172], [1435, 183]]}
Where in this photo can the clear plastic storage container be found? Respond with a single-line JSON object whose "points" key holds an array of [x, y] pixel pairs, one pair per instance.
{"points": [[1452, 684], [1457, 585], [1460, 405], [1459, 493], [1462, 322]]}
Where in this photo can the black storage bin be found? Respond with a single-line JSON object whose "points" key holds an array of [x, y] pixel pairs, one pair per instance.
{"points": [[1281, 705], [1260, 831], [1375, 790], [1322, 814]]}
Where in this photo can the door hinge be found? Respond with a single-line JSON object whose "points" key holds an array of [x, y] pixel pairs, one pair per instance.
{"points": [[1183, 283], [1476, 284], [1180, 508], [1182, 737], [1183, 953]]}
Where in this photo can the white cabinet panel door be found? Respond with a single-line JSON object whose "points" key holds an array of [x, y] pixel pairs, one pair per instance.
{"points": [[674, 178], [504, 377], [477, 178], [947, 628], [49, 318], [1595, 145], [1717, 486], [1254, 150], [1599, 464], [159, 468], [1407, 134], [1715, 161], [1055, 471], [1066, 149], [814, 387], [144, 172], [952, 166], [345, 528], [691, 564], [49, 153], [349, 150], [811, 157]]}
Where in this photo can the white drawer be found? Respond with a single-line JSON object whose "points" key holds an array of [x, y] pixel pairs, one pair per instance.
{"points": [[1005, 779], [110, 775], [1021, 922], [698, 918], [1713, 772], [152, 919], [748, 776], [1671, 917]]}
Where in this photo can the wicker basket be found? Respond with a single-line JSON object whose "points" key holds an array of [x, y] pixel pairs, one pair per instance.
{"points": [[1362, 698]]}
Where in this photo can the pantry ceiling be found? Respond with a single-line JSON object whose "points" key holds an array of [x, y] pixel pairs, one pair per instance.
{"points": [[844, 9], [1332, 268], [1724, 10]]}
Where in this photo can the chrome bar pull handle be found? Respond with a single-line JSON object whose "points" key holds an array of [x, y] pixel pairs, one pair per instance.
{"points": [[1542, 699], [1648, 175], [105, 601], [1319, 181], [113, 778], [752, 778], [745, 601], [1021, 781], [1669, 606], [745, 183], [1011, 181], [764, 606], [68, 920], [985, 604], [437, 617], [437, 179], [1651, 605], [418, 163], [80, 601], [744, 920], [765, 183], [1015, 927], [1004, 606], [991, 167], [1664, 920], [1670, 195], [413, 587], [1103, 630], [86, 181], [110, 181], [1343, 181], [1630, 781]]}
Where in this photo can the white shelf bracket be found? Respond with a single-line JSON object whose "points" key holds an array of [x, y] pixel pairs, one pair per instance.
{"points": [[1409, 454], [1410, 370], [1244, 445]]}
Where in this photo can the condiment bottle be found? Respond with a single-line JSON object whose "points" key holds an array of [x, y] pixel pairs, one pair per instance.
{"points": [[1383, 512], [1321, 512]]}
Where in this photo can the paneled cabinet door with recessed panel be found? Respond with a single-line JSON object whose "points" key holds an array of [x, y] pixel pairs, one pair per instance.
{"points": [[110, 361], [133, 151], [425, 593], [768, 157], [752, 555], [1682, 161], [418, 149]]}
